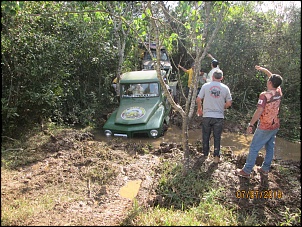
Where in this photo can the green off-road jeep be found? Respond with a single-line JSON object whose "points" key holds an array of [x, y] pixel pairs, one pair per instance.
{"points": [[144, 109]]}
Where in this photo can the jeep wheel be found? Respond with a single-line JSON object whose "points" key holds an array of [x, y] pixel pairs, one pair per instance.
{"points": [[165, 127]]}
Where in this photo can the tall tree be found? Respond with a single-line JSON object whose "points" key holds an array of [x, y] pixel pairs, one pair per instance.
{"points": [[119, 12], [199, 17]]}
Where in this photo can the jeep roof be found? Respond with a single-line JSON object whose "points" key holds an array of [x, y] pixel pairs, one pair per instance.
{"points": [[140, 76]]}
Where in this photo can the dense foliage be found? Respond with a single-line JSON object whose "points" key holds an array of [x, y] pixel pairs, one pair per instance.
{"points": [[59, 59]]}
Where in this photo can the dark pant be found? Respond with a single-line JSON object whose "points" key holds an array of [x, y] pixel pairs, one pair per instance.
{"points": [[187, 91], [198, 90], [209, 123]]}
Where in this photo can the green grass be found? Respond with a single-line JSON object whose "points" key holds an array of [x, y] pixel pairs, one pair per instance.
{"points": [[193, 200], [186, 201], [21, 209], [292, 218], [208, 213], [284, 171]]}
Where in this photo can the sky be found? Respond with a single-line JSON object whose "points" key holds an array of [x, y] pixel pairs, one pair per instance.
{"points": [[272, 4], [266, 4]]}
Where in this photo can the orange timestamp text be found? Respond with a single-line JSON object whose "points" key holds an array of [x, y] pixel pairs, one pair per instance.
{"points": [[259, 194]]}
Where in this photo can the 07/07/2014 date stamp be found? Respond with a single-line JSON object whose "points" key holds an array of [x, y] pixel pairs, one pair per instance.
{"points": [[258, 194]]}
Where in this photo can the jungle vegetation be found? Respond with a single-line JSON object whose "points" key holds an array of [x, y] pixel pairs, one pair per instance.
{"points": [[58, 58]]}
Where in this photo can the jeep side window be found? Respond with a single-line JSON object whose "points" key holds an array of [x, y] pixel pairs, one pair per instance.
{"points": [[125, 90], [147, 56], [154, 89], [164, 56]]}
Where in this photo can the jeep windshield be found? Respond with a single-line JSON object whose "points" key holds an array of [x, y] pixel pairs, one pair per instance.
{"points": [[140, 90], [163, 55]]}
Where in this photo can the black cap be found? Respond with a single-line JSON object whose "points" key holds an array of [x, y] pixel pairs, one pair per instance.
{"points": [[215, 61]]}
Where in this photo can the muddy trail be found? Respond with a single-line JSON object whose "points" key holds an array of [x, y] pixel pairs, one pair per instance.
{"points": [[80, 178]]}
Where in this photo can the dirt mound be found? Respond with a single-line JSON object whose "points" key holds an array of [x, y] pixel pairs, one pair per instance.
{"points": [[82, 177]]}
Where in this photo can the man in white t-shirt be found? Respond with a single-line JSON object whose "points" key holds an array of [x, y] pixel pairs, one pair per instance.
{"points": [[212, 100], [214, 65]]}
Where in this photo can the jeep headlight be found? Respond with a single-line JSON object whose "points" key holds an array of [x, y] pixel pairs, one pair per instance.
{"points": [[154, 133], [108, 133]]}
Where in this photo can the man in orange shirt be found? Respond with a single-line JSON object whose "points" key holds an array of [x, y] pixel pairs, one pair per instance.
{"points": [[268, 125]]}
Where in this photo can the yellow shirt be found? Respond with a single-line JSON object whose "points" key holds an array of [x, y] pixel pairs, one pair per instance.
{"points": [[190, 73], [115, 80]]}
